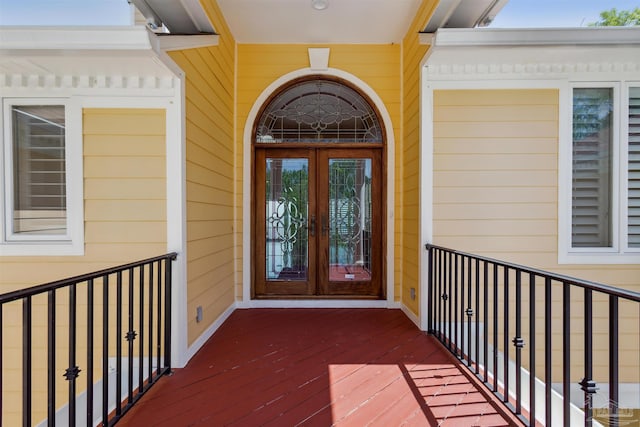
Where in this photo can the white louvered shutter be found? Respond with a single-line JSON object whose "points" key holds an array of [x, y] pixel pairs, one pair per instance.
{"points": [[591, 168], [39, 178], [634, 168]]}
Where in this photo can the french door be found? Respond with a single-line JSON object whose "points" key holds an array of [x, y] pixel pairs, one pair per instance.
{"points": [[318, 223]]}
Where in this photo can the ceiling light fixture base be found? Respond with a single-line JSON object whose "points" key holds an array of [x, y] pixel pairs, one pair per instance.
{"points": [[319, 4]]}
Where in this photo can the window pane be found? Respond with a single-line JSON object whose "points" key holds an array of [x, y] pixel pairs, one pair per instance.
{"points": [[319, 111], [591, 181], [287, 212], [39, 190], [634, 167]]}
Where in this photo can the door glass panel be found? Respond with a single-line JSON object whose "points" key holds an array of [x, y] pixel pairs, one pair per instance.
{"points": [[349, 219], [286, 208]]}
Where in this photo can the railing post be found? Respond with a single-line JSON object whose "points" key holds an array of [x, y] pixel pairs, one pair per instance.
{"points": [[430, 304], [167, 317], [167, 308]]}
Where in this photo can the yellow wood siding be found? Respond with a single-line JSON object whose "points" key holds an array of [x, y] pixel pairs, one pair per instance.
{"points": [[261, 65], [125, 220], [210, 163], [409, 246], [496, 194]]}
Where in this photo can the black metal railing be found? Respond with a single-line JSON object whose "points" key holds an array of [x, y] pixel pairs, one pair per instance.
{"points": [[532, 336], [80, 321]]}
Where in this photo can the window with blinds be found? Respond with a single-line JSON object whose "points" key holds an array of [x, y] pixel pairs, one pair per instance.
{"points": [[39, 178], [634, 169], [591, 221]]}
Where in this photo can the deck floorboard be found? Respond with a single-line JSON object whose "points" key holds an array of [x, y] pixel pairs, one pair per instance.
{"points": [[318, 367]]}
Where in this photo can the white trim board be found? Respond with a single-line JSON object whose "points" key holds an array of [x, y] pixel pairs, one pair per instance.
{"points": [[199, 342]]}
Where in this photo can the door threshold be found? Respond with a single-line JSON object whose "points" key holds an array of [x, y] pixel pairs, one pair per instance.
{"points": [[318, 303]]}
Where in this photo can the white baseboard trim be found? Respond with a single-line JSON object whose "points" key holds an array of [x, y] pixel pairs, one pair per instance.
{"points": [[317, 304], [411, 315], [204, 337]]}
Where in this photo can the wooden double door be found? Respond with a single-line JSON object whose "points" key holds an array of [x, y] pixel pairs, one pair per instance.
{"points": [[318, 223]]}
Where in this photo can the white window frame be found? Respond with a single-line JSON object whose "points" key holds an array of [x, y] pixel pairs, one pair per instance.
{"points": [[72, 242], [619, 252]]}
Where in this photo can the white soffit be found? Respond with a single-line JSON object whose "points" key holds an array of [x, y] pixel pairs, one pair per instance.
{"points": [[295, 21]]}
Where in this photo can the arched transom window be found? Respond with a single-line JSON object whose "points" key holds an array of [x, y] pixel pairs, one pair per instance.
{"points": [[319, 110]]}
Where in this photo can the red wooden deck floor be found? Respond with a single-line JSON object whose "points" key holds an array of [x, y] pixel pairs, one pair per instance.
{"points": [[318, 367]]}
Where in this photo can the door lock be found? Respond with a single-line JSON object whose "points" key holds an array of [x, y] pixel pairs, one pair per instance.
{"points": [[312, 226]]}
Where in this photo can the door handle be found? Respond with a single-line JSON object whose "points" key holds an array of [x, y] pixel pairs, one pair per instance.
{"points": [[325, 226], [312, 226]]}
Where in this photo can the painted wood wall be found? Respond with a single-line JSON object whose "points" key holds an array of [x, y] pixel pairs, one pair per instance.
{"points": [[210, 181], [261, 65], [496, 194], [125, 220], [409, 246]]}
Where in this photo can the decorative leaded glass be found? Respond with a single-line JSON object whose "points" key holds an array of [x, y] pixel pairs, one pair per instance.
{"points": [[319, 111]]}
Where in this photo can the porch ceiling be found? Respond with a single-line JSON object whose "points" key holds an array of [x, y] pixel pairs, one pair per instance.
{"points": [[295, 21]]}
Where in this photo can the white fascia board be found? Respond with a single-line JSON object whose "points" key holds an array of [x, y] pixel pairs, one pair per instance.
{"points": [[460, 37], [168, 42], [73, 38]]}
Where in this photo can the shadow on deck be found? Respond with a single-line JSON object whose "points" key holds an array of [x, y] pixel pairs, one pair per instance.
{"points": [[350, 367]]}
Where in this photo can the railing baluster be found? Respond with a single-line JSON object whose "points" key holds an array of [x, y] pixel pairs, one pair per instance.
{"points": [[547, 350], [167, 318], [614, 398], [119, 337], [505, 338], [150, 332], [532, 349], [1, 358], [477, 314], [485, 312], [105, 349], [447, 301], [90, 340], [460, 310], [495, 327], [159, 317], [566, 353], [131, 336], [588, 386], [141, 329], [430, 277], [26, 361], [51, 357], [441, 279], [73, 371], [518, 342]]}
